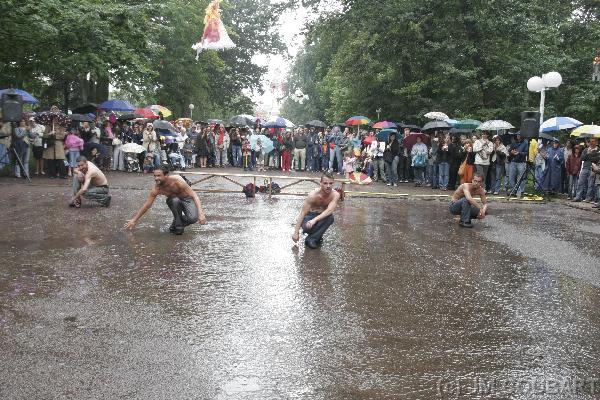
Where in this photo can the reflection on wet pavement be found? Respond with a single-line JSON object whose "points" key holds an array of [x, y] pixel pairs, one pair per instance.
{"points": [[399, 303]]}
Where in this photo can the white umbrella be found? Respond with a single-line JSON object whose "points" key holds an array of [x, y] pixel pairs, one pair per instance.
{"points": [[495, 125], [132, 148], [437, 115]]}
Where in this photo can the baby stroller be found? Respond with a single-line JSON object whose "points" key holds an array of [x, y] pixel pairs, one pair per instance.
{"points": [[174, 157], [131, 151]]}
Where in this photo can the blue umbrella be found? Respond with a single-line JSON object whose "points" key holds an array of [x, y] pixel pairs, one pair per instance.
{"points": [[27, 98], [267, 144], [278, 122], [384, 134], [117, 105]]}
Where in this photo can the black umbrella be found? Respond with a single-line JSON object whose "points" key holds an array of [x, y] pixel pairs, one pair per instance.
{"points": [[128, 117], [316, 123], [87, 149], [81, 118], [413, 128], [436, 125], [340, 124], [86, 108], [240, 120], [162, 124], [457, 131]]}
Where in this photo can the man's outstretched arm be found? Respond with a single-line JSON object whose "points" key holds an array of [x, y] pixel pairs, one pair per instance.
{"points": [[131, 223]]}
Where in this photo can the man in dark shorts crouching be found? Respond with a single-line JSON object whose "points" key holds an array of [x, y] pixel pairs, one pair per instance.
{"points": [[181, 199], [464, 204], [317, 212]]}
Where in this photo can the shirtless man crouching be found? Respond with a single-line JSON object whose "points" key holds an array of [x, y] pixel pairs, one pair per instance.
{"points": [[90, 183], [464, 204], [181, 199], [317, 212]]}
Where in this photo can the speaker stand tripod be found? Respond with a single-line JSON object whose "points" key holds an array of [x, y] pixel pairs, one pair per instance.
{"points": [[524, 177], [15, 155]]}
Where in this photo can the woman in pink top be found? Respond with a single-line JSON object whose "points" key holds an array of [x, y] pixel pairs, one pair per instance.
{"points": [[73, 146]]}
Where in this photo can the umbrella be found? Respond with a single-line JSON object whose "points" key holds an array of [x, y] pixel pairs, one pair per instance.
{"points": [[410, 140], [242, 120], [132, 148], [559, 123], [467, 124], [384, 125], [145, 113], [46, 118], [369, 139], [316, 123], [384, 134], [437, 115], [413, 128], [437, 124], [81, 117], [214, 121], [546, 136], [279, 122], [359, 178], [458, 131], [117, 105], [267, 144], [358, 120], [86, 108], [127, 117], [591, 130], [26, 97], [87, 149], [161, 124], [160, 110], [495, 125], [451, 121]]}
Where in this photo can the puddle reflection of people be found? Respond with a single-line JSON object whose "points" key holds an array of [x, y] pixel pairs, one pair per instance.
{"points": [[317, 212], [181, 199], [465, 205], [90, 183]]}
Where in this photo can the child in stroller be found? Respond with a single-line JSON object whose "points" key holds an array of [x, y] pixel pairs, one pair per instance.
{"points": [[132, 164], [174, 157]]}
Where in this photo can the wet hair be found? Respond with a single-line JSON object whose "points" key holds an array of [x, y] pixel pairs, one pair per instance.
{"points": [[81, 159], [328, 175], [163, 168], [478, 174]]}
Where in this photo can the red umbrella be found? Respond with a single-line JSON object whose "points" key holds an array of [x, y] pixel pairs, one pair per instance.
{"points": [[369, 139], [146, 113], [410, 140]]}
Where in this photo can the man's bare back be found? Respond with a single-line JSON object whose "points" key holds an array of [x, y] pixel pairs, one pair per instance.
{"points": [[174, 185], [96, 177]]}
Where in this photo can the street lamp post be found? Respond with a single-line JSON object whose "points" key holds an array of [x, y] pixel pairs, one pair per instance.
{"points": [[378, 111], [191, 107], [541, 84]]}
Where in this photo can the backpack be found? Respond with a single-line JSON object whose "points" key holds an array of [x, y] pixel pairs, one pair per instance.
{"points": [[249, 190]]}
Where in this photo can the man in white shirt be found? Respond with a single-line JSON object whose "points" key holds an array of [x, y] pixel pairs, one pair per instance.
{"points": [[483, 149], [376, 150]]}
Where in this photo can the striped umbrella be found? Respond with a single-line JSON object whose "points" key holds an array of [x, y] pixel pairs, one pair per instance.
{"points": [[160, 109], [559, 123], [358, 120], [384, 125]]}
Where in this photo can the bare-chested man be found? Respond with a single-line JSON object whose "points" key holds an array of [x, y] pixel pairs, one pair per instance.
{"points": [[90, 183], [317, 212], [464, 204], [181, 199]]}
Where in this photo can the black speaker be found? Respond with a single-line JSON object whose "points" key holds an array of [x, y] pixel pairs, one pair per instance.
{"points": [[12, 107], [530, 124]]}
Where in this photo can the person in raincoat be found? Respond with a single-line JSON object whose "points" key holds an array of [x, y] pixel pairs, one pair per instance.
{"points": [[419, 161], [552, 176]]}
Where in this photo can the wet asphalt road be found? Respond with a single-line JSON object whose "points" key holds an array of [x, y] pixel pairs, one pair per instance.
{"points": [[399, 303]]}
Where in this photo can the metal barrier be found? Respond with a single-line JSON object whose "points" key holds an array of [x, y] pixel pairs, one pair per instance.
{"points": [[268, 179]]}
